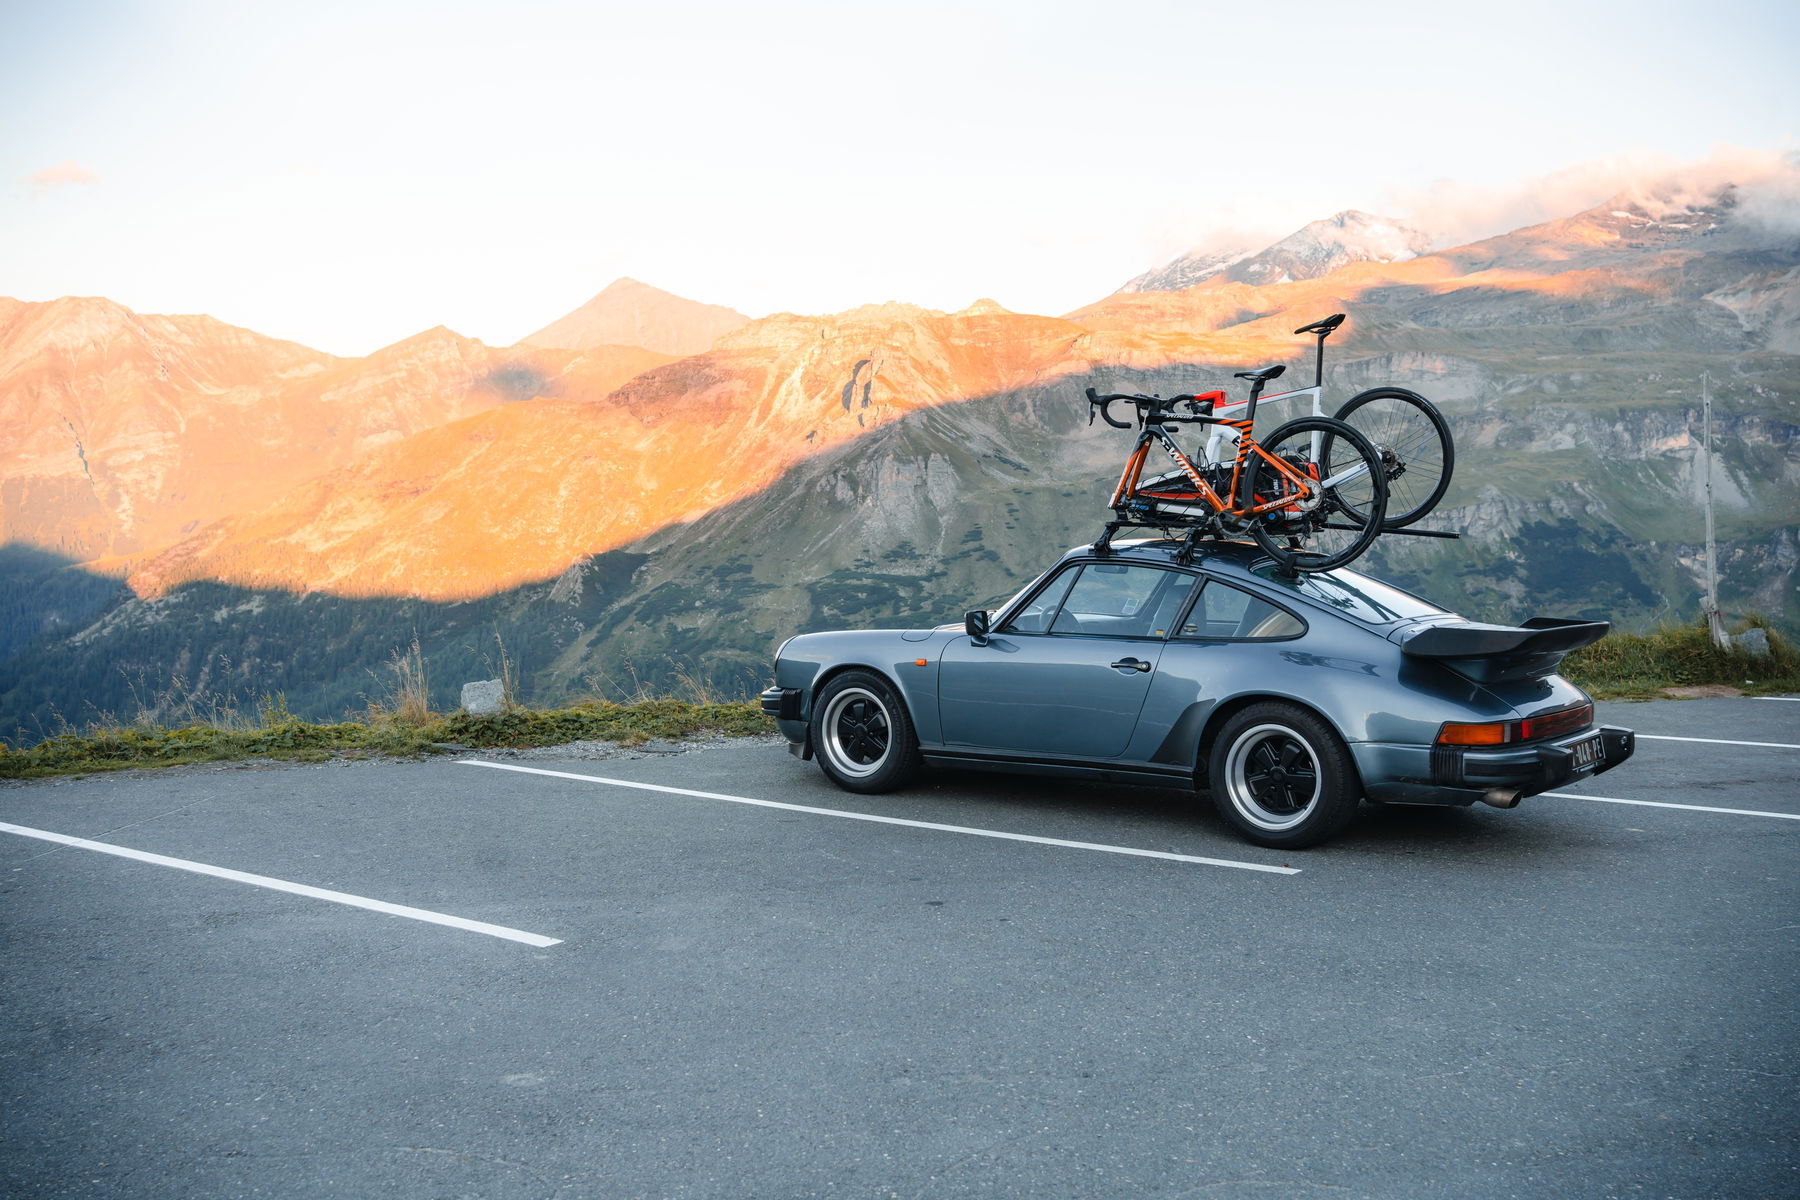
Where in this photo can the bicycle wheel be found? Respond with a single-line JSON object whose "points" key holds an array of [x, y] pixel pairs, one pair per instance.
{"points": [[1340, 521], [1415, 447]]}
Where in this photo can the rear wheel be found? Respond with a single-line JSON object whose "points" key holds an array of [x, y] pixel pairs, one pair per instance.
{"points": [[1414, 443], [1340, 521], [862, 735], [1282, 777]]}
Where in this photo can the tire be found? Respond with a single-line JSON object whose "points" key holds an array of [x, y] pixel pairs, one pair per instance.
{"points": [[862, 734], [1415, 446], [1348, 518], [1282, 777]]}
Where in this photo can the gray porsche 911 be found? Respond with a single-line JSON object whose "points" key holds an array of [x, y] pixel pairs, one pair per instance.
{"points": [[1289, 697]]}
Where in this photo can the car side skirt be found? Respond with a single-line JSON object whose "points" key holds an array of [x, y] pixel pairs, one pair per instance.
{"points": [[1153, 774]]}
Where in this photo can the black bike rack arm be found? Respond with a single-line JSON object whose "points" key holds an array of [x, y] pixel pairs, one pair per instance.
{"points": [[1436, 533]]}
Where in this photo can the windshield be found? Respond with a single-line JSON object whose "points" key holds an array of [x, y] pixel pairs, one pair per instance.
{"points": [[995, 607], [1354, 594]]}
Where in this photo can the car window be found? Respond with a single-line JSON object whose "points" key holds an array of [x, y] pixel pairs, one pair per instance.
{"points": [[1223, 611], [1354, 594], [1123, 600], [1035, 616]]}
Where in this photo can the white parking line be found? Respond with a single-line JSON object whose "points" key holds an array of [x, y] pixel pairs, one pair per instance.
{"points": [[856, 816], [1663, 737], [282, 885], [1736, 812]]}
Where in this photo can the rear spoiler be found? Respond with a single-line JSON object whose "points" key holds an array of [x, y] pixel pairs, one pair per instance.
{"points": [[1495, 653]]}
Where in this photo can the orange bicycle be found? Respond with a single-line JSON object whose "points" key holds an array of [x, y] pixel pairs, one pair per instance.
{"points": [[1313, 494]]}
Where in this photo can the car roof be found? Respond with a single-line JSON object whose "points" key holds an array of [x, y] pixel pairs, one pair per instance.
{"points": [[1248, 563]]}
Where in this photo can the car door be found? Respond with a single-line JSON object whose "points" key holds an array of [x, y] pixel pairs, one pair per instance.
{"points": [[1230, 641], [1068, 674]]}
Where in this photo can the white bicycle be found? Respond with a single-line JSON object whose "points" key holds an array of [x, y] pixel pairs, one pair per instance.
{"points": [[1406, 429]]}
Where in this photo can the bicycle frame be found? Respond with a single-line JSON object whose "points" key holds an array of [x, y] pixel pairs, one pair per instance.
{"points": [[1309, 488], [1227, 433]]}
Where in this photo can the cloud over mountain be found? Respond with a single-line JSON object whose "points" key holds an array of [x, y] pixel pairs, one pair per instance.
{"points": [[1457, 212]]}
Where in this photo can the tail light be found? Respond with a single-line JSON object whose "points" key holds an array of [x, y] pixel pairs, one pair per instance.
{"points": [[1506, 733]]}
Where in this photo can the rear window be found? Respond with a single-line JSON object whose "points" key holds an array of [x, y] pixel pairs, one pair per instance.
{"points": [[1223, 611], [1354, 594]]}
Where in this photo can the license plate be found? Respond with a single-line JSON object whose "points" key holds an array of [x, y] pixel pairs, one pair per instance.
{"points": [[1587, 753]]}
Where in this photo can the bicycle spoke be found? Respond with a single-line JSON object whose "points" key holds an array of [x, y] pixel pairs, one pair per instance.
{"points": [[1353, 486], [1414, 444]]}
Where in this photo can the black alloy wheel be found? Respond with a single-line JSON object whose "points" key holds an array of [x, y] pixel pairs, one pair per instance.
{"points": [[1282, 777], [862, 734]]}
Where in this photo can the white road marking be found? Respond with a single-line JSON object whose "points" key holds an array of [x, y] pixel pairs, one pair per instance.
{"points": [[856, 816], [1663, 737], [1736, 812], [1784, 699], [282, 885]]}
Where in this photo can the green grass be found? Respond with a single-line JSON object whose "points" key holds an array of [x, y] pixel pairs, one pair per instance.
{"points": [[279, 735], [1625, 666]]}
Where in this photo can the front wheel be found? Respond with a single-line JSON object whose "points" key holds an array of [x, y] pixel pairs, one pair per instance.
{"points": [[862, 734], [1282, 777], [1415, 447], [1344, 515]]}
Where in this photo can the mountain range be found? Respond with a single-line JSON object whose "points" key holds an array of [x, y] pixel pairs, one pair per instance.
{"points": [[633, 512]]}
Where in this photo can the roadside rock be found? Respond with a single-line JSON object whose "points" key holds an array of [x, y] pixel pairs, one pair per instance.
{"points": [[483, 697]]}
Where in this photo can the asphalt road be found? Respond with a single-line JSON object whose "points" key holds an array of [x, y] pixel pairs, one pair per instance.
{"points": [[1574, 998]]}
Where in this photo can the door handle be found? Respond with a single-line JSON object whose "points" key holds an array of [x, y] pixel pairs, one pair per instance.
{"points": [[1131, 664]]}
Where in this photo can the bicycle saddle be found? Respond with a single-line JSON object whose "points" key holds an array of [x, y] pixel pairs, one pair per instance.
{"points": [[1323, 328], [1264, 375]]}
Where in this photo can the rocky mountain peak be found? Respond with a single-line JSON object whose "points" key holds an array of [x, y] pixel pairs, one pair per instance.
{"points": [[629, 313], [1313, 251], [438, 341]]}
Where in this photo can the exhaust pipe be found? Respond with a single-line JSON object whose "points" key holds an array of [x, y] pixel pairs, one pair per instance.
{"points": [[1501, 797]]}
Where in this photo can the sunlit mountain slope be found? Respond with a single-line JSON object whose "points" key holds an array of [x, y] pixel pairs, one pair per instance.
{"points": [[520, 493], [630, 313]]}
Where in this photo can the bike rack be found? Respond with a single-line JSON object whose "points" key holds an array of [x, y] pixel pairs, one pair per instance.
{"points": [[1190, 541], [1202, 528], [1436, 533]]}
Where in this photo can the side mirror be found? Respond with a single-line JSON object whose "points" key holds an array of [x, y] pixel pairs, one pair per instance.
{"points": [[975, 624]]}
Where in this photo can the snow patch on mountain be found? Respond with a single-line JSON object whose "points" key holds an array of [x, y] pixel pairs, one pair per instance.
{"points": [[1196, 266], [1316, 250]]}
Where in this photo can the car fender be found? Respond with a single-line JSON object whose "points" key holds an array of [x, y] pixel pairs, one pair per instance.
{"points": [[810, 660], [1352, 680]]}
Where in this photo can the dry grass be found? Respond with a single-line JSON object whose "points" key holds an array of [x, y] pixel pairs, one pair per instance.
{"points": [[406, 695], [1646, 666]]}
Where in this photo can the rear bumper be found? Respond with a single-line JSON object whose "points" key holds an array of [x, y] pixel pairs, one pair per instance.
{"points": [[1398, 774]]}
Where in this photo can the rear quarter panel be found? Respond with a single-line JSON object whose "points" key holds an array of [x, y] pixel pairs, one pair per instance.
{"points": [[1348, 673]]}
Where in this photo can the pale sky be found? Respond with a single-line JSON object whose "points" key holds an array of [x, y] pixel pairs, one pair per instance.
{"points": [[345, 175]]}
